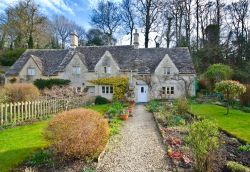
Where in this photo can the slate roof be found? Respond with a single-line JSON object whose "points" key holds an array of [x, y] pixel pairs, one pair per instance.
{"points": [[127, 57]]}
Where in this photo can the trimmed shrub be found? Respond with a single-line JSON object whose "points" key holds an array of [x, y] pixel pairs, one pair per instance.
{"points": [[78, 133], [20, 92], [236, 167], [245, 98], [101, 100], [203, 141], [49, 83]]}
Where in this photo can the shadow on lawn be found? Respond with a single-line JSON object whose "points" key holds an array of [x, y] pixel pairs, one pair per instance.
{"points": [[12, 158]]}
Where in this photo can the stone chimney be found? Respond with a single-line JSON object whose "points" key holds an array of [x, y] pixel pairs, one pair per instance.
{"points": [[136, 39], [73, 39]]}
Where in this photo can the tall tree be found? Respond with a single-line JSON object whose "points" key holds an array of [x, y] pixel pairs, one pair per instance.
{"points": [[149, 12], [106, 17], [128, 17]]}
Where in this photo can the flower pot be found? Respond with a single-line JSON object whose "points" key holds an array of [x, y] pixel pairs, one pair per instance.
{"points": [[124, 117]]}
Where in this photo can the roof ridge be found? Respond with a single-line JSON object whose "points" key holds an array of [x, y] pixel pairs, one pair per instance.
{"points": [[32, 50], [104, 46]]}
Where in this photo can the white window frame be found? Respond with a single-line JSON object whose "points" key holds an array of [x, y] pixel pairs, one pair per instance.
{"points": [[31, 71], [167, 71], [76, 70], [107, 69], [106, 89], [170, 90]]}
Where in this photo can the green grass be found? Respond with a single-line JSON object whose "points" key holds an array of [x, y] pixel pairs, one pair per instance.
{"points": [[17, 144], [99, 108], [237, 122]]}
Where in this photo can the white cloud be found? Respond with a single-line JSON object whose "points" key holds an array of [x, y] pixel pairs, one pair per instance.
{"points": [[57, 6]]}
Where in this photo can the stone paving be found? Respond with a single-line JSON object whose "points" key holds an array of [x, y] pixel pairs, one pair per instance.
{"points": [[138, 148]]}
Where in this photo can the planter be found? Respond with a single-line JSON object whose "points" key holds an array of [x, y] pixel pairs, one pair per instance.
{"points": [[124, 117]]}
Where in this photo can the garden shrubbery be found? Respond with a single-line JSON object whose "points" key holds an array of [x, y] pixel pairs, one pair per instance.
{"points": [[101, 100], [115, 109], [236, 167], [49, 83], [181, 106], [8, 57], [203, 139], [78, 133], [19, 92], [153, 106]]}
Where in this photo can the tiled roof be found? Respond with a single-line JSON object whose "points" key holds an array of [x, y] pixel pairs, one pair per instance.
{"points": [[127, 57]]}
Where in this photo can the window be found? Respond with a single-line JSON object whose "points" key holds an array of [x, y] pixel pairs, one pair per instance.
{"points": [[107, 69], [142, 89], [107, 89], [76, 70], [163, 90], [167, 71], [31, 71], [172, 90]]}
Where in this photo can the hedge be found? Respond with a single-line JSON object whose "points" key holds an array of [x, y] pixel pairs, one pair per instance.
{"points": [[49, 83]]}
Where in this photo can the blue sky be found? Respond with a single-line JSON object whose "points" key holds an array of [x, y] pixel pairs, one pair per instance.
{"points": [[76, 10]]}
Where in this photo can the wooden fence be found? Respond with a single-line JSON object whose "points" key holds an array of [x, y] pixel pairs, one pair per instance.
{"points": [[14, 113]]}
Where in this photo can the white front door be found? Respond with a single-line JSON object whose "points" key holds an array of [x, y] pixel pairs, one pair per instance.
{"points": [[142, 93]]}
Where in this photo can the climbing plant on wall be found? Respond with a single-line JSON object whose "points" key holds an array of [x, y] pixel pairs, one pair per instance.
{"points": [[120, 86]]}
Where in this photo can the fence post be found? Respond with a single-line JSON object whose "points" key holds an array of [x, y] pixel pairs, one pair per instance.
{"points": [[15, 106], [11, 112], [2, 114], [18, 112], [22, 115], [6, 113]]}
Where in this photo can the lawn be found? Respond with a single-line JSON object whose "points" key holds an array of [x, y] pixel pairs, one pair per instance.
{"points": [[16, 144], [236, 123], [19, 143], [99, 108]]}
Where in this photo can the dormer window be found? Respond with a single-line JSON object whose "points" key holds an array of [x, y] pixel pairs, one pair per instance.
{"points": [[107, 69], [167, 71], [31, 71], [76, 70]]}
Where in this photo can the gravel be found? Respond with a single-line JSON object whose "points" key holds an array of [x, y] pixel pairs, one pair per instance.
{"points": [[138, 148]]}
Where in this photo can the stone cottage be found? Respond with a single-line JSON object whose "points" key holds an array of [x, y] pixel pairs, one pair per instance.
{"points": [[153, 73]]}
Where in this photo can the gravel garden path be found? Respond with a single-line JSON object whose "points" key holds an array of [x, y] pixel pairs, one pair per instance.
{"points": [[138, 147]]}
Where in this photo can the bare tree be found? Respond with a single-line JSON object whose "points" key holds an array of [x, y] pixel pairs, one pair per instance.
{"points": [[128, 17], [62, 28], [149, 12], [106, 17]]}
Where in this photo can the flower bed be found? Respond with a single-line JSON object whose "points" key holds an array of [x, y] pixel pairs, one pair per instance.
{"points": [[174, 129]]}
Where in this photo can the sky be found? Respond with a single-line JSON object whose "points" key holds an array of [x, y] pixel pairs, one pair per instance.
{"points": [[76, 10]]}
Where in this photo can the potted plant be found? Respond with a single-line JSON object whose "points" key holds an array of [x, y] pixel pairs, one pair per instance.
{"points": [[124, 115]]}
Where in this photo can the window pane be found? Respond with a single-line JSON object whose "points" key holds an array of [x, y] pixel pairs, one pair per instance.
{"points": [[168, 91], [108, 69], [111, 89], [142, 89], [168, 70], [31, 71], [103, 89], [172, 90], [163, 90], [107, 89]]}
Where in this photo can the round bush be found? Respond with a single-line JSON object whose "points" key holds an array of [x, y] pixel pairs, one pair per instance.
{"points": [[20, 92], [78, 133], [101, 100]]}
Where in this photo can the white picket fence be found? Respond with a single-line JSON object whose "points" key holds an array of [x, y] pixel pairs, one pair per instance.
{"points": [[14, 113]]}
